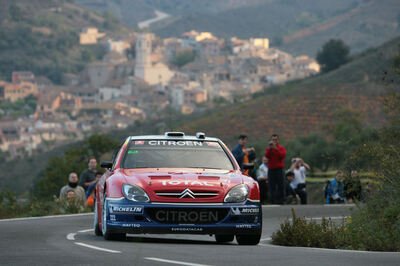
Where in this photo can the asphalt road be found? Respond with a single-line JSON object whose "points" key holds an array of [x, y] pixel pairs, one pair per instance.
{"points": [[70, 240]]}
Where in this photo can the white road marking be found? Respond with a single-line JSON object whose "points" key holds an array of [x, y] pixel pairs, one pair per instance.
{"points": [[266, 239], [71, 236], [320, 218], [175, 262], [340, 205], [46, 217], [97, 248], [86, 230]]}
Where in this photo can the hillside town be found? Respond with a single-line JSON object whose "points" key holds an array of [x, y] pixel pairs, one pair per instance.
{"points": [[141, 76]]}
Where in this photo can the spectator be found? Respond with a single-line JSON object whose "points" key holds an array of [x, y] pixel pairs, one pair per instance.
{"points": [[72, 191], [352, 187], [90, 191], [290, 192], [241, 153], [299, 183], [88, 176], [334, 190], [262, 179], [276, 154]]}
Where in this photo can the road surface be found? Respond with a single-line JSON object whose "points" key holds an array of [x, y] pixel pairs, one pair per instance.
{"points": [[69, 240], [159, 16]]}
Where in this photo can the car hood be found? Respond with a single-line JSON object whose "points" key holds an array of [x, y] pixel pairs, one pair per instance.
{"points": [[184, 185]]}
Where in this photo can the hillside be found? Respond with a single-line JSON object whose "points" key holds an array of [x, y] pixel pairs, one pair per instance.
{"points": [[298, 26], [43, 36], [302, 107], [131, 12], [292, 110]]}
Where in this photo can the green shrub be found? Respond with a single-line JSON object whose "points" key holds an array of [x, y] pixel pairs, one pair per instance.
{"points": [[301, 232]]}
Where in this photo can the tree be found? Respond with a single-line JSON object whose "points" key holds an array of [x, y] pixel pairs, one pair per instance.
{"points": [[183, 58], [334, 53], [376, 225], [74, 160]]}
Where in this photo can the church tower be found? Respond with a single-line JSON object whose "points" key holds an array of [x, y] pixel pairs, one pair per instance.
{"points": [[143, 53], [152, 74]]}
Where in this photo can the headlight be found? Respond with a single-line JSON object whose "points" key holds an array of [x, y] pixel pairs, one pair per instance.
{"points": [[134, 193], [237, 194]]}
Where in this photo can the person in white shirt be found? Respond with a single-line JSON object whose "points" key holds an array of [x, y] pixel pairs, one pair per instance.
{"points": [[299, 168], [262, 179]]}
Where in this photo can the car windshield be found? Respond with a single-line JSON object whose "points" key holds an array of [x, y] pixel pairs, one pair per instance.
{"points": [[176, 154]]}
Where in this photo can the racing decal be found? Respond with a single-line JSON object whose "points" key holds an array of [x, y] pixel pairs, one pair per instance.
{"points": [[174, 216], [133, 152], [126, 209], [139, 142], [175, 143], [187, 183], [212, 144], [244, 226], [244, 211], [131, 225], [189, 229]]}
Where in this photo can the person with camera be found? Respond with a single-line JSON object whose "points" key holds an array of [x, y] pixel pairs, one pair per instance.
{"points": [[276, 155], [299, 168]]}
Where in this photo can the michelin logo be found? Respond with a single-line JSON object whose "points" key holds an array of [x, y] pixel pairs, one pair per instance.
{"points": [[127, 209], [244, 211]]}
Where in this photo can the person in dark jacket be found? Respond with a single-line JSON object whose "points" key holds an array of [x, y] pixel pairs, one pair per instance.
{"points": [[241, 153], [88, 178], [276, 155]]}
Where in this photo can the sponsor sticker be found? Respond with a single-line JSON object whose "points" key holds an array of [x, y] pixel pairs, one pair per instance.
{"points": [[139, 142], [243, 226], [189, 229], [179, 216], [187, 183], [175, 143], [133, 152], [245, 210], [131, 225], [212, 144], [126, 209]]}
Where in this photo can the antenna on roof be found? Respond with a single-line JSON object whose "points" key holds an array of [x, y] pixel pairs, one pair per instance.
{"points": [[200, 135]]}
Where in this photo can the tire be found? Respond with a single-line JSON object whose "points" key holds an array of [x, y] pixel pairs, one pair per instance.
{"points": [[248, 239], [106, 233], [96, 226], [224, 238]]}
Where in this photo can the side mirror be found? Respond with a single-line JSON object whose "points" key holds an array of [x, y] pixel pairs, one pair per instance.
{"points": [[106, 164], [248, 166]]}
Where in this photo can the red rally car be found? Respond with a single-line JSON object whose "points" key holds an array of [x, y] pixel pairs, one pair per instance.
{"points": [[177, 184]]}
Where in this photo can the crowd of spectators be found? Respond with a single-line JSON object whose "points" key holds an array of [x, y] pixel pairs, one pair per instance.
{"points": [[287, 185], [80, 190]]}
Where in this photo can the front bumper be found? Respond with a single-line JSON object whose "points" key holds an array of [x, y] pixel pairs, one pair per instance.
{"points": [[125, 216]]}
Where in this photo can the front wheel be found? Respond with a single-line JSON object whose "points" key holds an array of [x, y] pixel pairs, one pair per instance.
{"points": [[106, 233], [248, 239], [224, 238]]}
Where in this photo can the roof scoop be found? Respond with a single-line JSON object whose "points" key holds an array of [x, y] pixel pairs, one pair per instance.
{"points": [[174, 134]]}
